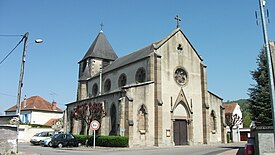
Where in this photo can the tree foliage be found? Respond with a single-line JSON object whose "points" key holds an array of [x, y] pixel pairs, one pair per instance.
{"points": [[87, 112], [260, 101]]}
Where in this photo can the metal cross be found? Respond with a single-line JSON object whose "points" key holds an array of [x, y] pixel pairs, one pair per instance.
{"points": [[178, 21], [101, 26]]}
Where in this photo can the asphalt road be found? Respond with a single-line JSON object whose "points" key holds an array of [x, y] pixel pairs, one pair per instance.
{"points": [[26, 148]]}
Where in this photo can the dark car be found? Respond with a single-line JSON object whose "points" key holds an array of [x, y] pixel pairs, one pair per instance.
{"points": [[60, 140]]}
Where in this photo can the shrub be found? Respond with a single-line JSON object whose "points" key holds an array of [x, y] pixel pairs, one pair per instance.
{"points": [[82, 138], [106, 141], [112, 141], [38, 126]]}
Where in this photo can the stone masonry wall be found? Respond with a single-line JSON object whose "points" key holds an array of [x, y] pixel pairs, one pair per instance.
{"points": [[8, 140]]}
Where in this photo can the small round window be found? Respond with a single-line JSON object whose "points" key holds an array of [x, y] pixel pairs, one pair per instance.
{"points": [[122, 80], [180, 76], [95, 90], [140, 75], [107, 85]]}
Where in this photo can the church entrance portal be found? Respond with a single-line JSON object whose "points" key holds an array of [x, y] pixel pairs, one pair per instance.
{"points": [[180, 132]]}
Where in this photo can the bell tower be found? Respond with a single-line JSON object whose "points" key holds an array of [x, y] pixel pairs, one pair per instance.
{"points": [[99, 55]]}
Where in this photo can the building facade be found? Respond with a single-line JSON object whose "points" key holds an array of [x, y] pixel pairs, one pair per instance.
{"points": [[36, 110], [157, 95]]}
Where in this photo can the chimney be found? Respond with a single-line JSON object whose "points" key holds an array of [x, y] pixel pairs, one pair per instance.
{"points": [[54, 106], [25, 102]]}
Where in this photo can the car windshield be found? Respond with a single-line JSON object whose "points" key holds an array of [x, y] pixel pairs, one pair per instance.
{"points": [[55, 136], [44, 134], [37, 134]]}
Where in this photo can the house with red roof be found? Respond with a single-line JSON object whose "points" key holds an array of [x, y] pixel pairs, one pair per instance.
{"points": [[239, 133], [36, 110]]}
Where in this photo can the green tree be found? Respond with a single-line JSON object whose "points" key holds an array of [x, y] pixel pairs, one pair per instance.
{"points": [[260, 101]]}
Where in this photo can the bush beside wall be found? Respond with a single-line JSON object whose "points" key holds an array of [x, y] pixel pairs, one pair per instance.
{"points": [[106, 141]]}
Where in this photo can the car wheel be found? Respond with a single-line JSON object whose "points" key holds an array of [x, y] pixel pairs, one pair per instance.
{"points": [[79, 144], [60, 145], [50, 144]]}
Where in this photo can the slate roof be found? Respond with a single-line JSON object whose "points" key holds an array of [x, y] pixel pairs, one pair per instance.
{"points": [[130, 58], [229, 107], [143, 53], [36, 103], [86, 74], [101, 48]]}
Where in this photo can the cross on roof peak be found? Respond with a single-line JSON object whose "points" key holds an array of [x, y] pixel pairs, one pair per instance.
{"points": [[101, 27], [178, 20]]}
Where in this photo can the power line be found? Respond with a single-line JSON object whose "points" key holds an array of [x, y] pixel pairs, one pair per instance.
{"points": [[11, 51], [7, 94], [11, 35]]}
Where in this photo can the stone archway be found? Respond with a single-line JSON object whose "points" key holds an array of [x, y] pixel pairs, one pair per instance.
{"points": [[181, 125]]}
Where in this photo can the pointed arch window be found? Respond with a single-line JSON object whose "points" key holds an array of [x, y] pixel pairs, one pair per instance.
{"points": [[142, 119], [113, 114], [213, 122]]}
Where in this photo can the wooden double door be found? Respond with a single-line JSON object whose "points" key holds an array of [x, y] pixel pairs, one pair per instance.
{"points": [[180, 132]]}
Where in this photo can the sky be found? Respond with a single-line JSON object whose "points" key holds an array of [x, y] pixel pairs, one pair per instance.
{"points": [[224, 33]]}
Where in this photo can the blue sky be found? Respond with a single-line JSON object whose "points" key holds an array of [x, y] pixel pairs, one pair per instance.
{"points": [[224, 33]]}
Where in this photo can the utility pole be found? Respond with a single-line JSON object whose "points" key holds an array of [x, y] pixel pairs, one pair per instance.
{"points": [[20, 85], [270, 70]]}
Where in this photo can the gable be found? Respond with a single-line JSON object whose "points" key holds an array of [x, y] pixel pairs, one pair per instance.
{"points": [[159, 44], [229, 107]]}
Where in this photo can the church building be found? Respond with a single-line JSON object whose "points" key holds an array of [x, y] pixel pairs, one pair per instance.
{"points": [[157, 95]]}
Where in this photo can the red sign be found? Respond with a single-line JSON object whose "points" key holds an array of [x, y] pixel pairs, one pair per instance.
{"points": [[95, 125]]}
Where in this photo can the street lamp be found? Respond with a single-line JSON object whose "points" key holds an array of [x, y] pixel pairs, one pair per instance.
{"points": [[20, 85]]}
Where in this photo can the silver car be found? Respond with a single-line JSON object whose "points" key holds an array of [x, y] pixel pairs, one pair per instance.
{"points": [[46, 142]]}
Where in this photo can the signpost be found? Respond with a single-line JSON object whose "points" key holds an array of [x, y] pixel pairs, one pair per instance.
{"points": [[94, 126]]}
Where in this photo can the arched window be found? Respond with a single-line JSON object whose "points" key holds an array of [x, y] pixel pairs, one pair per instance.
{"points": [[142, 119], [113, 114], [107, 85], [140, 75], [95, 90], [213, 121], [122, 80]]}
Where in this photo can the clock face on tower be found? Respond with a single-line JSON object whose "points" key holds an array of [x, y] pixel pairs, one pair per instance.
{"points": [[180, 76]]}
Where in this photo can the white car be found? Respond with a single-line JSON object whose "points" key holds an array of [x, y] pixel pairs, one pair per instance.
{"points": [[35, 140]]}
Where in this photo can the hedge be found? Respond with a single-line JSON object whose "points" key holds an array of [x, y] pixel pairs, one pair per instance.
{"points": [[106, 141], [112, 141]]}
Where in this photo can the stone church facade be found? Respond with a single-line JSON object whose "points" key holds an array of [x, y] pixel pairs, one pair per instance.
{"points": [[157, 95]]}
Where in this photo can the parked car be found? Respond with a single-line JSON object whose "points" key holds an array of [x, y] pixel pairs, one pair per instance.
{"points": [[35, 140], [61, 140], [46, 142]]}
